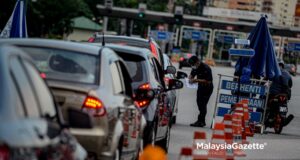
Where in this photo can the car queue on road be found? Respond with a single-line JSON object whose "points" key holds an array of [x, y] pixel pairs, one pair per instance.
{"points": [[111, 100]]}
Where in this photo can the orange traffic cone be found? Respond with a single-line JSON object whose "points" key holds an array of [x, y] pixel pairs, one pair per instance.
{"points": [[228, 128], [237, 134], [199, 153], [218, 138], [248, 131]]}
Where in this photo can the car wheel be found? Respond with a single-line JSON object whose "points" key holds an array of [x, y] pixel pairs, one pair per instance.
{"points": [[164, 143], [180, 66], [150, 134], [118, 152]]}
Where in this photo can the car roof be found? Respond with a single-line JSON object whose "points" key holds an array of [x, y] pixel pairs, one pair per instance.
{"points": [[131, 41], [144, 52], [57, 44]]}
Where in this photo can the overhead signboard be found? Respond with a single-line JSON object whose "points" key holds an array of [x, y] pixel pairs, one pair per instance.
{"points": [[195, 35], [294, 46], [241, 52], [223, 38], [238, 14], [161, 35]]}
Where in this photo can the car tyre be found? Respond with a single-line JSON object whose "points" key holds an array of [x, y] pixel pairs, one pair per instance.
{"points": [[118, 152], [164, 143]]}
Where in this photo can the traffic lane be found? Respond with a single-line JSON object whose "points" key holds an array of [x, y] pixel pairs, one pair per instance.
{"points": [[181, 132]]}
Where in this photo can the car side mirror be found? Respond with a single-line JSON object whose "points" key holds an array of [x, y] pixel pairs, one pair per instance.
{"points": [[142, 94], [181, 75], [175, 84], [79, 119], [170, 70]]}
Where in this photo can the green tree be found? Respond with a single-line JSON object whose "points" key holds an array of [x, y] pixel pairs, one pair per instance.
{"points": [[54, 17], [48, 17]]}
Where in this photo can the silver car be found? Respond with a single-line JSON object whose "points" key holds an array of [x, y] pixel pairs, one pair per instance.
{"points": [[172, 94], [95, 80], [30, 124]]}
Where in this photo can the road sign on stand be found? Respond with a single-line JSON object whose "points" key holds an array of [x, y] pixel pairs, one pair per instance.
{"points": [[241, 52], [242, 41]]}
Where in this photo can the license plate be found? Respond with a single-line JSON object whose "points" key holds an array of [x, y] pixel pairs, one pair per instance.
{"points": [[283, 109]]}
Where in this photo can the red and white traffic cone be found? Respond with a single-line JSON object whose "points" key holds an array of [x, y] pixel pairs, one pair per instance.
{"points": [[218, 137], [186, 153], [199, 153], [237, 134]]}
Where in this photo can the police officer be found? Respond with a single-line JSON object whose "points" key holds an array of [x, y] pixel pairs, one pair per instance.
{"points": [[203, 75]]}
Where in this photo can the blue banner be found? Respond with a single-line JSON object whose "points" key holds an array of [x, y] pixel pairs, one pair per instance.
{"points": [[230, 99], [245, 88]]}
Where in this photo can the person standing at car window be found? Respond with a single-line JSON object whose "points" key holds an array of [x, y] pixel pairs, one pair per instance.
{"points": [[204, 78]]}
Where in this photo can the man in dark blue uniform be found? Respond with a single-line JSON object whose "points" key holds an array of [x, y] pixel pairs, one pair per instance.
{"points": [[205, 87]]}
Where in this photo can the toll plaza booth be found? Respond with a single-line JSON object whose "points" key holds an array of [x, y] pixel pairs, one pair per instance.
{"points": [[223, 40], [291, 54], [256, 92], [195, 40]]}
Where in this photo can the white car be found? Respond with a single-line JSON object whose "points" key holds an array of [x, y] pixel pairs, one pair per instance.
{"points": [[95, 80], [30, 124]]}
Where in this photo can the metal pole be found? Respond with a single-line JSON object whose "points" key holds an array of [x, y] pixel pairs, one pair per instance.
{"points": [[266, 103], [216, 104]]}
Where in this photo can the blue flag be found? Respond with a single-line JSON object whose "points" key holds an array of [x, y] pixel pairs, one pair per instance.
{"points": [[16, 26]]}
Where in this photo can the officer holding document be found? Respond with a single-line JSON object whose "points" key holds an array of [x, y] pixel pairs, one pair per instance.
{"points": [[201, 74]]}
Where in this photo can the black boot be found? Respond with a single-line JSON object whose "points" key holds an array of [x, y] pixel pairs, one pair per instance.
{"points": [[198, 124]]}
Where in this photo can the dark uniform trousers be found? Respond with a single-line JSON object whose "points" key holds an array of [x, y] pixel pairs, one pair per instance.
{"points": [[203, 95]]}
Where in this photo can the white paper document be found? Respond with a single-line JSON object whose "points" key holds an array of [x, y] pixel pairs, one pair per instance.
{"points": [[190, 85]]}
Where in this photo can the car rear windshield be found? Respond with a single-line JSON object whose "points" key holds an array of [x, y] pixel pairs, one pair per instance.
{"points": [[63, 65], [135, 65]]}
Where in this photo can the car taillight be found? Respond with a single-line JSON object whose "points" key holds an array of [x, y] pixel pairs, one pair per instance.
{"points": [[43, 75], [142, 103], [94, 106], [181, 58], [153, 50], [92, 39], [4, 153], [145, 86]]}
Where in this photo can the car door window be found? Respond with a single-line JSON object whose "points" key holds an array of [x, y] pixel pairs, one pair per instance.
{"points": [[26, 92], [157, 71], [117, 78], [20, 110], [43, 93], [153, 69]]}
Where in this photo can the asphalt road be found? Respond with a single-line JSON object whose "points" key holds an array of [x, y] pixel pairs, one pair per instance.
{"points": [[284, 146]]}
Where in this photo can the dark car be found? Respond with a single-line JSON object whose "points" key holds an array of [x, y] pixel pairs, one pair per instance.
{"points": [[183, 60], [131, 41], [147, 74]]}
